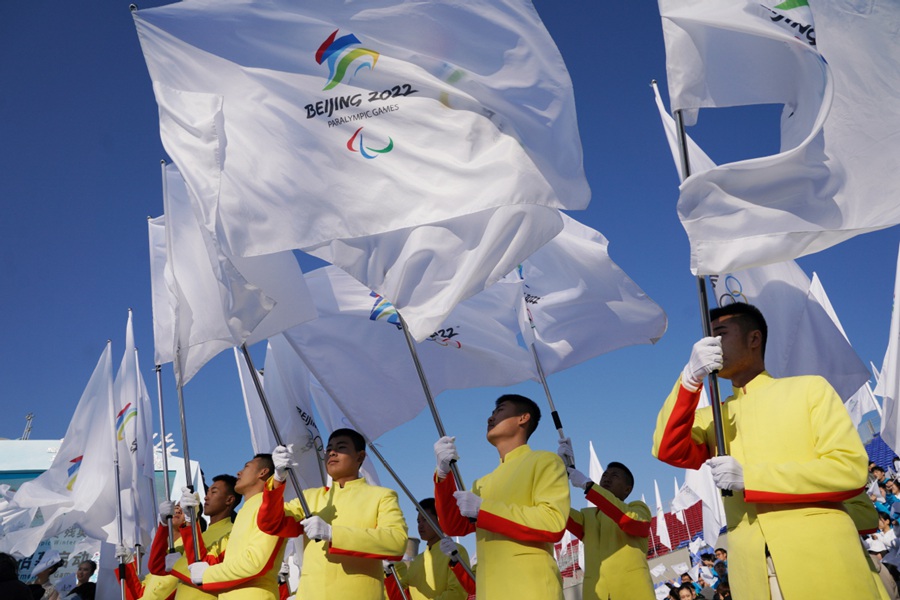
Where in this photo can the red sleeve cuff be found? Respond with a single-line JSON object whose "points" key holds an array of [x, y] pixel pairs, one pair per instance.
{"points": [[780, 498], [514, 530], [633, 527]]}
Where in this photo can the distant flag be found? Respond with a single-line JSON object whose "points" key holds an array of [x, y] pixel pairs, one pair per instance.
{"points": [[595, 469], [833, 178], [875, 373], [581, 303], [658, 570], [662, 529], [79, 487], [889, 383], [679, 514], [684, 498], [369, 109], [700, 481]]}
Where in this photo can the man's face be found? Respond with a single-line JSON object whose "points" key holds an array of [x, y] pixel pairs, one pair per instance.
{"points": [[83, 573], [218, 499], [685, 578], [425, 531], [177, 518], [615, 481], [503, 422], [719, 568], [736, 351], [342, 459], [879, 473], [247, 477], [721, 555], [685, 595]]}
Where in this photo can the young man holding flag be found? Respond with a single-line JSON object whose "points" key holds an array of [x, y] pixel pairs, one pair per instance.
{"points": [[794, 459], [517, 511], [354, 525]]}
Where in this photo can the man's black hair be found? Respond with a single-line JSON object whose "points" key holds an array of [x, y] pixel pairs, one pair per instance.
{"points": [[428, 505], [722, 550], [359, 442], [266, 460], [523, 405], [230, 481], [877, 468], [748, 317], [92, 563]]}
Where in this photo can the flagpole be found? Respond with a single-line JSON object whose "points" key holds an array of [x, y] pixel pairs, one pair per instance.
{"points": [[136, 473], [165, 453], [271, 419], [397, 579], [714, 400], [119, 527], [454, 469], [188, 479]]}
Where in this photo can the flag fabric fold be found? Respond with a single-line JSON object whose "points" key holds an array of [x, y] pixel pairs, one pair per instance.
{"points": [[889, 381], [662, 528], [700, 481]]}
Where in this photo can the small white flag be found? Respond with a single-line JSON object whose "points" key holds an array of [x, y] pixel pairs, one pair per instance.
{"points": [[662, 529]]}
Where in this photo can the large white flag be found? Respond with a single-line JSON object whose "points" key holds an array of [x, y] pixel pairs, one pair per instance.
{"points": [[889, 382], [595, 469], [833, 177], [581, 303], [206, 301], [662, 528], [79, 487], [287, 392], [358, 352], [377, 119], [804, 338]]}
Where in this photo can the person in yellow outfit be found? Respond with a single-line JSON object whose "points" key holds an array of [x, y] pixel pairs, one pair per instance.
{"points": [[219, 505], [614, 533], [794, 458], [353, 528], [429, 575], [249, 568], [517, 511]]}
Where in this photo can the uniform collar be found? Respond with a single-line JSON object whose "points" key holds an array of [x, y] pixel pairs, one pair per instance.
{"points": [[352, 483], [513, 454], [757, 383]]}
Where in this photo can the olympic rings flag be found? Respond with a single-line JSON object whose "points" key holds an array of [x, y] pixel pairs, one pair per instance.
{"points": [[424, 147]]}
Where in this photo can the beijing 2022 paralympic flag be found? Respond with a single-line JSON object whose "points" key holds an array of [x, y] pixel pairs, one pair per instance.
{"points": [[421, 146]]}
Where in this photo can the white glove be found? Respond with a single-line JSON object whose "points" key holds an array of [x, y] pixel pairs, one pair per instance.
{"points": [[444, 454], [166, 511], [123, 554], [448, 547], [316, 529], [285, 569], [727, 472], [283, 457], [197, 569], [706, 358], [469, 504], [189, 500], [386, 565], [579, 479], [565, 451], [171, 559]]}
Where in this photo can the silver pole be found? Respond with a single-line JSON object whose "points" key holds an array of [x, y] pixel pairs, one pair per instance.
{"points": [[411, 344], [271, 419], [165, 453], [714, 400], [189, 480], [397, 579], [119, 527]]}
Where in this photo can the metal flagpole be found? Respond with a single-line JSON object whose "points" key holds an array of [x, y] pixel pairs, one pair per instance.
{"points": [[430, 399], [714, 400], [271, 419], [136, 478], [165, 453], [120, 528], [397, 579], [188, 478]]}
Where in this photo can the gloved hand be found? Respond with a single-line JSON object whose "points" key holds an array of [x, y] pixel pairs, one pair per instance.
{"points": [[284, 573], [448, 547], [171, 559], [166, 511], [386, 565], [706, 358], [727, 472], [469, 504], [565, 452], [123, 554], [283, 457], [444, 454], [579, 479], [197, 569], [316, 529], [189, 500]]}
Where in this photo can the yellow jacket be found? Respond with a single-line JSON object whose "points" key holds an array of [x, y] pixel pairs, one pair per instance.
{"points": [[367, 526], [213, 542], [802, 458], [429, 576], [615, 547], [524, 508], [249, 570]]}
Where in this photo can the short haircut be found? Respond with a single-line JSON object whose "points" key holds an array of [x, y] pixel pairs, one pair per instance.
{"points": [[723, 550], [359, 442], [629, 477], [266, 460], [89, 562], [748, 317], [9, 567], [429, 505], [229, 481], [523, 405], [884, 515], [877, 468]]}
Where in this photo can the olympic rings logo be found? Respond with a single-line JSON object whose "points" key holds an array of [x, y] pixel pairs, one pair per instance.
{"points": [[734, 292]]}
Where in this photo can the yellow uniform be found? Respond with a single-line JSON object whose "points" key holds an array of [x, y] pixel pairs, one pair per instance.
{"points": [[213, 542], [615, 547], [249, 570], [802, 458], [367, 526], [524, 508], [429, 576], [153, 587]]}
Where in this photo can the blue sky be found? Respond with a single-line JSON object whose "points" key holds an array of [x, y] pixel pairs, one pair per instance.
{"points": [[80, 152]]}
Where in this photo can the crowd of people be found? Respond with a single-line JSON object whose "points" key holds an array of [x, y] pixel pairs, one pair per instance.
{"points": [[793, 475]]}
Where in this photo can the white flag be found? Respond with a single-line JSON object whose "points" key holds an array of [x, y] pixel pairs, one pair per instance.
{"points": [[889, 382], [862, 403], [700, 481], [595, 469], [358, 352], [662, 529], [287, 392], [377, 120], [833, 177], [79, 487], [804, 338], [581, 303]]}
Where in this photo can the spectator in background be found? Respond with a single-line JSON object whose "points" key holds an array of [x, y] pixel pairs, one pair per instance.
{"points": [[871, 477], [880, 475], [893, 492], [687, 590], [85, 589], [877, 549], [721, 571], [41, 588], [722, 554], [10, 586], [723, 592]]}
